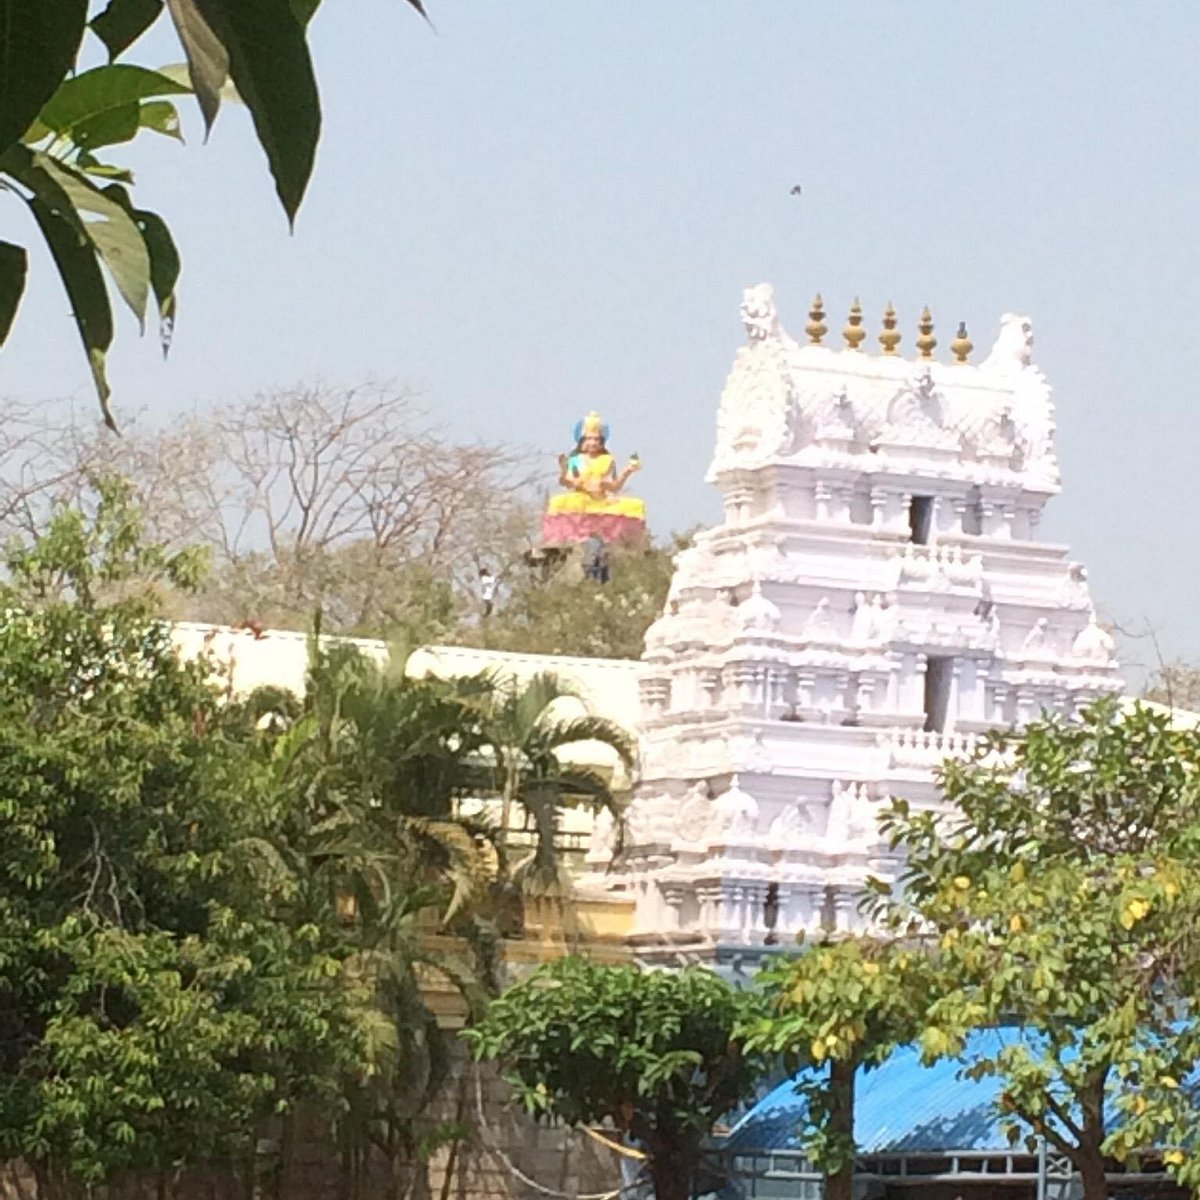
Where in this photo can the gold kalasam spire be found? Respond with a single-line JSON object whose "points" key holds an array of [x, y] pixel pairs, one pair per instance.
{"points": [[816, 327], [854, 332], [926, 342], [889, 339], [962, 344]]}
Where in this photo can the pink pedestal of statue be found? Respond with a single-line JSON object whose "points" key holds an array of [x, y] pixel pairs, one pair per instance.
{"points": [[564, 529]]}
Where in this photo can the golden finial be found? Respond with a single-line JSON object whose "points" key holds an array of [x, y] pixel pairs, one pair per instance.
{"points": [[962, 344], [889, 339], [816, 327], [854, 332], [926, 342]]}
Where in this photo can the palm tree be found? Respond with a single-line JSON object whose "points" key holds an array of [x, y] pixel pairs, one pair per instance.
{"points": [[526, 734], [369, 774], [402, 752]]}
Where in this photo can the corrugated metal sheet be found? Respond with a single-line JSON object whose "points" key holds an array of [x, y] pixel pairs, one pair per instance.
{"points": [[900, 1106]]}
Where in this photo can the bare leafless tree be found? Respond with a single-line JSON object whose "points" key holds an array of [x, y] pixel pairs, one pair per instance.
{"points": [[33, 470], [347, 499]]}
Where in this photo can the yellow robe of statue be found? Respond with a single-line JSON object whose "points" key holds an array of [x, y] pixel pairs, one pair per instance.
{"points": [[595, 468]]}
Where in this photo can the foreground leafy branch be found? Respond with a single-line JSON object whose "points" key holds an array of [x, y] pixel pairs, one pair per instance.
{"points": [[53, 123]]}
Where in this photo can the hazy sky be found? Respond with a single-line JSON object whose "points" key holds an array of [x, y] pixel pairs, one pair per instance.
{"points": [[544, 206]]}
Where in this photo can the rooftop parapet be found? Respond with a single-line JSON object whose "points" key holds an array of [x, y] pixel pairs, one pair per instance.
{"points": [[819, 404]]}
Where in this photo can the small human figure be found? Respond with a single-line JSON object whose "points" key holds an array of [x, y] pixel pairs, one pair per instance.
{"points": [[1035, 639], [595, 559], [487, 590], [860, 630], [819, 623]]}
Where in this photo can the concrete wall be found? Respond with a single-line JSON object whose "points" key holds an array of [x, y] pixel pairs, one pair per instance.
{"points": [[301, 1160]]}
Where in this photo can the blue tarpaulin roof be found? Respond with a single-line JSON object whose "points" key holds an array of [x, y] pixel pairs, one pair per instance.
{"points": [[899, 1106]]}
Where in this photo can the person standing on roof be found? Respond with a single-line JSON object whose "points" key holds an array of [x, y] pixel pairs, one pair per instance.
{"points": [[595, 559], [487, 591]]}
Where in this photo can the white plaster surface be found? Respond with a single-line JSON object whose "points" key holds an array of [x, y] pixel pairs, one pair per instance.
{"points": [[783, 688]]}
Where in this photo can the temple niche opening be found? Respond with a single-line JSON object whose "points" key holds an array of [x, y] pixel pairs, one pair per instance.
{"points": [[875, 598]]}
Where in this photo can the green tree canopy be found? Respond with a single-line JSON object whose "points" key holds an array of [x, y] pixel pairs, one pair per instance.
{"points": [[373, 769], [838, 1006], [525, 734], [154, 1005], [1063, 889], [653, 1053], [565, 613]]}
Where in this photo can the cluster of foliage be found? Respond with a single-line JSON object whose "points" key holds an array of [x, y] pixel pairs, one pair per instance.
{"points": [[372, 768], [566, 613], [522, 734], [841, 1006], [156, 1002], [1056, 897], [213, 909], [651, 1053], [1064, 892], [53, 123]]}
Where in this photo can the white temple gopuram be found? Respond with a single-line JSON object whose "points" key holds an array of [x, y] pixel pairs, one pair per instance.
{"points": [[875, 597]]}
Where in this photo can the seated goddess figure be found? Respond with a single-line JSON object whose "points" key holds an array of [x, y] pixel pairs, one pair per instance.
{"points": [[591, 505]]}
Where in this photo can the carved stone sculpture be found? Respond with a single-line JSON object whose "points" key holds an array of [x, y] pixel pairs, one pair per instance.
{"points": [[758, 313], [1013, 348]]}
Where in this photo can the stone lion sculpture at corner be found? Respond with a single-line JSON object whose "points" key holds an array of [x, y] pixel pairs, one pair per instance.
{"points": [[759, 314], [1013, 350]]}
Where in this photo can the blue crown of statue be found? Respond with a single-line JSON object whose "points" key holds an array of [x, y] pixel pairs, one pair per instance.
{"points": [[591, 424]]}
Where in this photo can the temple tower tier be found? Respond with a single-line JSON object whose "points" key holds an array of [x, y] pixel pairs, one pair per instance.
{"points": [[874, 599]]}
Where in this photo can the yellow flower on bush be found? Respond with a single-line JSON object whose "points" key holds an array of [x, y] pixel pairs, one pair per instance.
{"points": [[1134, 911]]}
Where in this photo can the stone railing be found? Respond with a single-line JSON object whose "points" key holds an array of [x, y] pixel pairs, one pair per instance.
{"points": [[923, 565], [921, 750]]}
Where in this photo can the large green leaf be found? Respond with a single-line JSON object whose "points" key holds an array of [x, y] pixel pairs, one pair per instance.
{"points": [[123, 124], [164, 267], [270, 64], [79, 268], [38, 43], [100, 91], [164, 261], [303, 10], [161, 116], [98, 217], [113, 232], [207, 57], [123, 22], [13, 262], [108, 128]]}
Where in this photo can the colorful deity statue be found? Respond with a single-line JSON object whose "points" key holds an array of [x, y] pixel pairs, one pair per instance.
{"points": [[592, 506]]}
